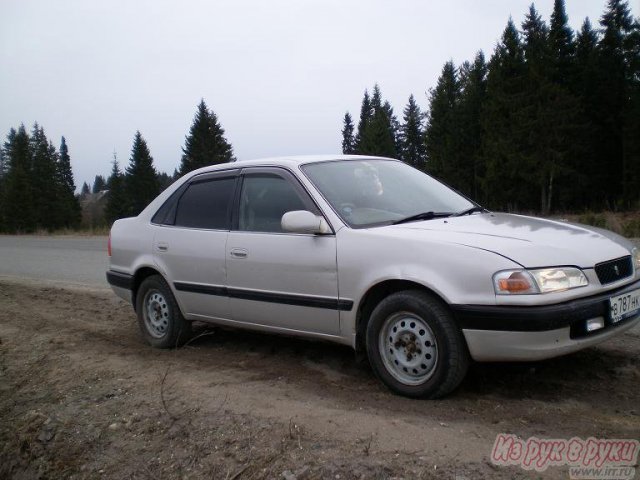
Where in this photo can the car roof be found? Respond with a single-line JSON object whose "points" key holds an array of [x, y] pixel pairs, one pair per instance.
{"points": [[289, 161]]}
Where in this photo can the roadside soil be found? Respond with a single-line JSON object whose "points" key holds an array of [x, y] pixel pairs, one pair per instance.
{"points": [[81, 396]]}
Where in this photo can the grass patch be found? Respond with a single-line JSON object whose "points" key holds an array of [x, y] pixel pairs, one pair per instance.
{"points": [[622, 223]]}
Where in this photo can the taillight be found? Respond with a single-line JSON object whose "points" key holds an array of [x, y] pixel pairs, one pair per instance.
{"points": [[109, 245]]}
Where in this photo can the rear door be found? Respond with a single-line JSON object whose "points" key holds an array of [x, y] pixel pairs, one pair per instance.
{"points": [[190, 243], [276, 278]]}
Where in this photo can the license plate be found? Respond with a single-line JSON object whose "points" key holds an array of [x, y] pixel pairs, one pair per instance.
{"points": [[625, 305]]}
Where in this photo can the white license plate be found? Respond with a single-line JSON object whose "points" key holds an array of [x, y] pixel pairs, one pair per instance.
{"points": [[624, 305]]}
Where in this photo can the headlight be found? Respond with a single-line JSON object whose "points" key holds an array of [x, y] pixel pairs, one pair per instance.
{"points": [[558, 279], [635, 253], [544, 280]]}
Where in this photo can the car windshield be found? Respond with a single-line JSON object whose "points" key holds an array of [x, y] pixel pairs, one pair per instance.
{"points": [[371, 192]]}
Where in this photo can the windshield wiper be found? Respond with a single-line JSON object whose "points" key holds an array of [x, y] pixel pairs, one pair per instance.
{"points": [[422, 216], [469, 211]]}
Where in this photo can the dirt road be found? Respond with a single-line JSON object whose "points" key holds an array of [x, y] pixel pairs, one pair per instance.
{"points": [[82, 397]]}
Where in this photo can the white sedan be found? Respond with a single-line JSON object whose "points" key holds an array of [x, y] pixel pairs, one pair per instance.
{"points": [[371, 253]]}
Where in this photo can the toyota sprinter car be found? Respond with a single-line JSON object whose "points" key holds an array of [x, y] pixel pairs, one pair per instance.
{"points": [[371, 253]]}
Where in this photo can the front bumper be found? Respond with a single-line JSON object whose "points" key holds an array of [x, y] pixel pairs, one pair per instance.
{"points": [[508, 333]]}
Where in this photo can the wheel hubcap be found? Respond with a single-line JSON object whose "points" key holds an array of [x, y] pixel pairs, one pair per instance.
{"points": [[156, 314], [409, 348]]}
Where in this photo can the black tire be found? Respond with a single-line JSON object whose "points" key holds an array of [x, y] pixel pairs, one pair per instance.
{"points": [[425, 355], [159, 317]]}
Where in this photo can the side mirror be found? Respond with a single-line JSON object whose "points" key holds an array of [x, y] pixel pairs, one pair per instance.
{"points": [[303, 221]]}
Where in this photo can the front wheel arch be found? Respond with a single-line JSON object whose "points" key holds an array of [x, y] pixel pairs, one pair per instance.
{"points": [[415, 346], [374, 296]]}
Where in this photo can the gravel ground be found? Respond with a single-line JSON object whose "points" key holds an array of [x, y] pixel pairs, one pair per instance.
{"points": [[81, 396]]}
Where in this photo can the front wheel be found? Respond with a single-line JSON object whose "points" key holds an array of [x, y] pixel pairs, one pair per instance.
{"points": [[415, 347], [159, 318]]}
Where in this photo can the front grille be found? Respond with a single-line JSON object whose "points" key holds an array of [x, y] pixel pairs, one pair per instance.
{"points": [[614, 270]]}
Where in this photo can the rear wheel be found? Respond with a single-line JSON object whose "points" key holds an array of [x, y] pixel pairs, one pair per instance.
{"points": [[415, 347], [159, 317]]}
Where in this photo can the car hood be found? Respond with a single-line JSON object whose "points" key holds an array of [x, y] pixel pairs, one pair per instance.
{"points": [[531, 242]]}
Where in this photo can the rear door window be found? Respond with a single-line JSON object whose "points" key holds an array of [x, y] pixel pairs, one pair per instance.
{"points": [[206, 204]]}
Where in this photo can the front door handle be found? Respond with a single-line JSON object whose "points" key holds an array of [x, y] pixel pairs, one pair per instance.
{"points": [[239, 253]]}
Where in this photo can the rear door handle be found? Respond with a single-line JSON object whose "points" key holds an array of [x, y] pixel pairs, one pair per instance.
{"points": [[162, 246], [239, 253]]}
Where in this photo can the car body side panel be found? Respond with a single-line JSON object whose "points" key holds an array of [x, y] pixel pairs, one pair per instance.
{"points": [[194, 261], [303, 266], [130, 245], [456, 273]]}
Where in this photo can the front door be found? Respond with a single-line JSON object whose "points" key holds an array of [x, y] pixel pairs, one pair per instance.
{"points": [[275, 278]]}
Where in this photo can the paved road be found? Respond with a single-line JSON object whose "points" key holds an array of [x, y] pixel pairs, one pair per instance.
{"points": [[76, 260]]}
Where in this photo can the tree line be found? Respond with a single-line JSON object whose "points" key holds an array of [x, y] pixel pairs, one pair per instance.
{"points": [[36, 183], [37, 190], [550, 122], [129, 192]]}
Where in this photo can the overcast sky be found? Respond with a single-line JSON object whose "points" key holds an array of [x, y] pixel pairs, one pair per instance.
{"points": [[279, 73]]}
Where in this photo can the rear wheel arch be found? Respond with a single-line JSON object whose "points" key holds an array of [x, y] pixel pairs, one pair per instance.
{"points": [[141, 274], [161, 322]]}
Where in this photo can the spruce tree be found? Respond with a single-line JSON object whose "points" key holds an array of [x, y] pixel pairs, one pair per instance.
{"points": [[586, 190], [377, 130], [117, 204], [505, 174], [85, 190], [366, 114], [473, 85], [99, 184], [566, 111], [538, 158], [440, 132], [394, 129], [206, 143], [348, 139], [378, 139], [376, 98], [561, 45], [141, 181], [3, 164], [412, 135], [66, 174], [46, 201], [535, 32], [19, 214], [612, 100], [3, 173], [631, 129], [70, 206], [548, 111]]}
